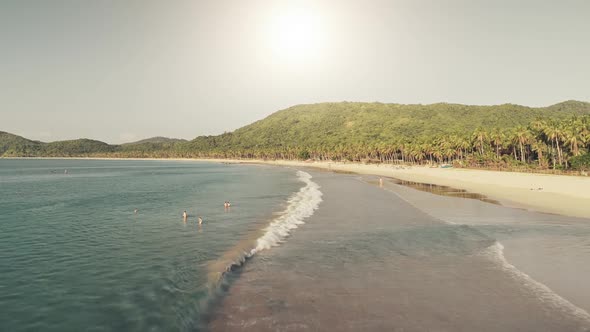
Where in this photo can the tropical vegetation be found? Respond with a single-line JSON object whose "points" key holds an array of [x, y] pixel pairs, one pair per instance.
{"points": [[503, 136]]}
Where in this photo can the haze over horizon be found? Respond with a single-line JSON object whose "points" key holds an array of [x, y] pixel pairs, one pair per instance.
{"points": [[124, 71]]}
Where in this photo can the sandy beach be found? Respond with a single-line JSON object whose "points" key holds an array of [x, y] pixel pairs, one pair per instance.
{"points": [[397, 259], [559, 194]]}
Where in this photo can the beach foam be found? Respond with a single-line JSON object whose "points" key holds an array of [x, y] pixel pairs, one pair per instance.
{"points": [[495, 252], [301, 206]]}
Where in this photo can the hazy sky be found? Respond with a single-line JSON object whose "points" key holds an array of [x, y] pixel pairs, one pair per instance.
{"points": [[123, 70]]}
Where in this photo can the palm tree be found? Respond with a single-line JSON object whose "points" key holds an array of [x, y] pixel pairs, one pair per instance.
{"points": [[585, 131], [463, 144], [497, 138], [449, 153], [573, 135], [555, 134], [479, 137], [521, 137]]}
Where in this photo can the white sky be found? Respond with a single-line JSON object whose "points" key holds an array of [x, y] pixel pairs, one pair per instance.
{"points": [[120, 71]]}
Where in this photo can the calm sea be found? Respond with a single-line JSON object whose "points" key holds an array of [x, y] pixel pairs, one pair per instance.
{"points": [[74, 256]]}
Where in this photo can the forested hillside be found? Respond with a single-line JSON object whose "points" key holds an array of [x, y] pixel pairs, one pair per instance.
{"points": [[156, 140], [14, 146], [336, 124], [557, 136]]}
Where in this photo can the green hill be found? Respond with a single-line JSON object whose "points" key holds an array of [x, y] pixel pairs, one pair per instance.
{"points": [[474, 135], [155, 147], [156, 140], [335, 124], [78, 147], [17, 146]]}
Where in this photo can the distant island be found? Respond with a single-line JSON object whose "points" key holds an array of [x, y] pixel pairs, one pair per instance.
{"points": [[502, 136]]}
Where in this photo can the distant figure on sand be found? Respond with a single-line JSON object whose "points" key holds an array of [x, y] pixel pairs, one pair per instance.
{"points": [[380, 182], [184, 215], [200, 221]]}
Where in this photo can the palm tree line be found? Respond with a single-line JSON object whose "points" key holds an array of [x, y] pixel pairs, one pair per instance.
{"points": [[542, 144]]}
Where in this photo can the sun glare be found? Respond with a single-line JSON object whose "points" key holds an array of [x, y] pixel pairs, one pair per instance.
{"points": [[294, 35]]}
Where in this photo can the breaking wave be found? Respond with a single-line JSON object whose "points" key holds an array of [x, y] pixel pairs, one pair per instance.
{"points": [[300, 207], [495, 252]]}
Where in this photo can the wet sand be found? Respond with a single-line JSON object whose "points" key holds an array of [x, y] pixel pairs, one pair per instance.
{"points": [[561, 194], [372, 259], [551, 249]]}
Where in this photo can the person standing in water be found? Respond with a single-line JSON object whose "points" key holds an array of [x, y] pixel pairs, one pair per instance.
{"points": [[184, 215], [380, 182], [200, 221], [135, 211]]}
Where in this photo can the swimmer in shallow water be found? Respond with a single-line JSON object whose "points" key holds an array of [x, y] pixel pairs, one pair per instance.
{"points": [[200, 221], [184, 215], [135, 211]]}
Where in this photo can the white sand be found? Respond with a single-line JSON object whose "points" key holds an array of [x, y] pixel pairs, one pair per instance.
{"points": [[566, 195]]}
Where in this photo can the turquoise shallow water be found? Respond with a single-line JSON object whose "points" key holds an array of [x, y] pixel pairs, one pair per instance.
{"points": [[75, 257]]}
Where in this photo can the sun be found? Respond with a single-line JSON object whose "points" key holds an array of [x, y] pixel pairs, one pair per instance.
{"points": [[295, 34]]}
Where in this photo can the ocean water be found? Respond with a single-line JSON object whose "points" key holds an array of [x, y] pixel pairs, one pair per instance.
{"points": [[74, 256], [399, 259]]}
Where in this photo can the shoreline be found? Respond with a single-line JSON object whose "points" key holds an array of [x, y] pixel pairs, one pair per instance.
{"points": [[547, 193], [368, 252], [556, 194]]}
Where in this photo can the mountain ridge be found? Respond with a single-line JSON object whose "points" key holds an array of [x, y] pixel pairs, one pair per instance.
{"points": [[329, 126]]}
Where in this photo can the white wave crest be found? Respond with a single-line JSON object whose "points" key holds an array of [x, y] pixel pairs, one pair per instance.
{"points": [[496, 253], [300, 206]]}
